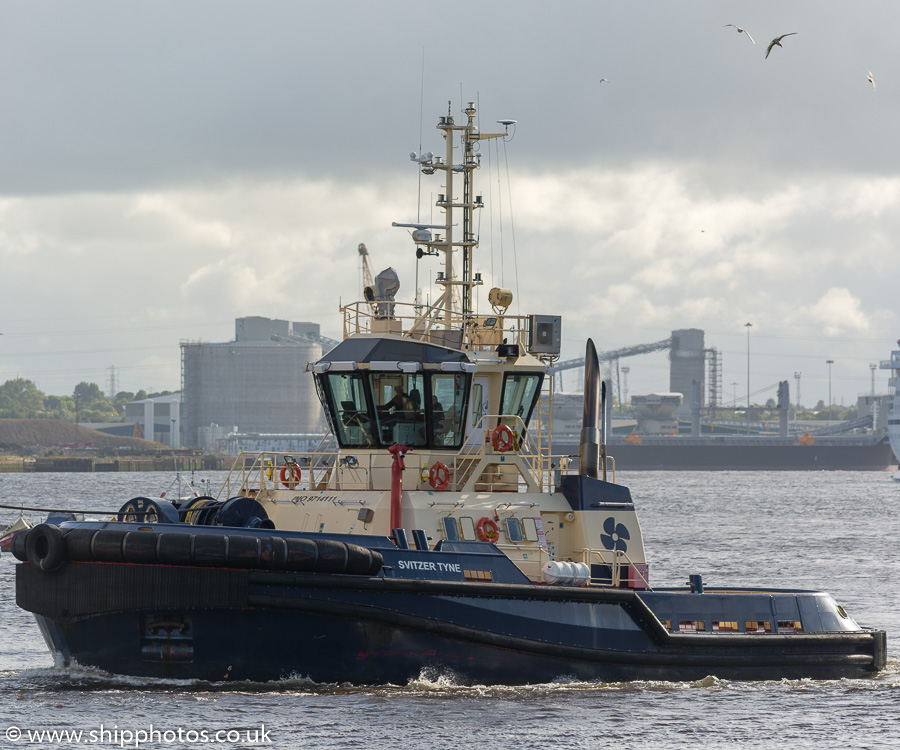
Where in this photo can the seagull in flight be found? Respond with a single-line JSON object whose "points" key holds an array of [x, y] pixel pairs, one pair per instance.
{"points": [[606, 80], [740, 31], [777, 41], [871, 80]]}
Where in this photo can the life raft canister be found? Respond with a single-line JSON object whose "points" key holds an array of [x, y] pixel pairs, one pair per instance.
{"points": [[290, 475], [439, 476], [502, 438], [487, 530]]}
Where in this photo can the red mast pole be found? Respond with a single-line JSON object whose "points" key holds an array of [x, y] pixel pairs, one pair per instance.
{"points": [[397, 451]]}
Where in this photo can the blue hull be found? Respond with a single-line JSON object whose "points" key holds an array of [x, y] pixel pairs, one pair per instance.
{"points": [[216, 624]]}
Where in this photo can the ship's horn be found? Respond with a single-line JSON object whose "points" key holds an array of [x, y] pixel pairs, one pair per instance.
{"points": [[589, 450]]}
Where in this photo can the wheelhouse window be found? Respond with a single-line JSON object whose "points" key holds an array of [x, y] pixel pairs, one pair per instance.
{"points": [[447, 407], [478, 405], [378, 409], [399, 416], [520, 394], [345, 400]]}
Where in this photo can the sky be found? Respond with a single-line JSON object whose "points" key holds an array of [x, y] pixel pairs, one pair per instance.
{"points": [[167, 167]]}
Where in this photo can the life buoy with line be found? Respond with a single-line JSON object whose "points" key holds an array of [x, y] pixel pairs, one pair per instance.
{"points": [[439, 476], [290, 475], [502, 438], [487, 530]]}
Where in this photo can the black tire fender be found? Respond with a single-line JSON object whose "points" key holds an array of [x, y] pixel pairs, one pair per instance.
{"points": [[45, 547]]}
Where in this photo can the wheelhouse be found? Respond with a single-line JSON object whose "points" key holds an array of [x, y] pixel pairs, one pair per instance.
{"points": [[380, 391], [377, 392]]}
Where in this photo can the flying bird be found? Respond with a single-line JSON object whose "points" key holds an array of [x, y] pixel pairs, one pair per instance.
{"points": [[741, 31], [606, 80], [871, 80], [777, 41]]}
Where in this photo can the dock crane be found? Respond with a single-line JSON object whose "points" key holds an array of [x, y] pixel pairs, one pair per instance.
{"points": [[368, 280]]}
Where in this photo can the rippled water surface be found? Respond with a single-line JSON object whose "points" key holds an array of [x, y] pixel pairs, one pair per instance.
{"points": [[836, 531]]}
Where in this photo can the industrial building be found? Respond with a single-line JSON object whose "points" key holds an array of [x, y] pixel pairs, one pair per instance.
{"points": [[689, 362], [157, 418], [257, 383]]}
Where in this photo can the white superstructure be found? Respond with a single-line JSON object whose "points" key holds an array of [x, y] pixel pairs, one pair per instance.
{"points": [[893, 364]]}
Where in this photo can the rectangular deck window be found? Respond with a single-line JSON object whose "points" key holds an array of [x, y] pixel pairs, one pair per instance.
{"points": [[758, 626], [725, 626], [790, 626], [467, 526], [692, 626], [478, 575], [451, 529], [529, 529], [514, 530]]}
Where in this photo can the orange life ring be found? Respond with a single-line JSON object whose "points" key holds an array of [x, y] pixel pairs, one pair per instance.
{"points": [[439, 476], [290, 475], [487, 530], [502, 438]]}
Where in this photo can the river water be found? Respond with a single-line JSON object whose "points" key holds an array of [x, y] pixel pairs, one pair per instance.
{"points": [[836, 531]]}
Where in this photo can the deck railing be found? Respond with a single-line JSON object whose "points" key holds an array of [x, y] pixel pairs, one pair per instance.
{"points": [[616, 560]]}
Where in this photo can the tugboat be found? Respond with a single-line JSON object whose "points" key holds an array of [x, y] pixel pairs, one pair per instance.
{"points": [[440, 536]]}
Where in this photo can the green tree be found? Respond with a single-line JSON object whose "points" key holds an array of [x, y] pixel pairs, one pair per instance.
{"points": [[91, 404], [88, 393], [59, 407], [20, 399]]}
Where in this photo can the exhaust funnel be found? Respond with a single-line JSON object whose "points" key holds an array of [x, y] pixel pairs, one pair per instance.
{"points": [[589, 445]]}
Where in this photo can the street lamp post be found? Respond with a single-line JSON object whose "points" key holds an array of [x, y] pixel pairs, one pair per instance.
{"points": [[748, 326], [829, 362]]}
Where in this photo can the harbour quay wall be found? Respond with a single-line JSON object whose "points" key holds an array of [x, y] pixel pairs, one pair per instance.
{"points": [[20, 464]]}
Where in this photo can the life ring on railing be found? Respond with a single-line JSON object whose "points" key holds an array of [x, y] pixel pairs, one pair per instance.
{"points": [[502, 438], [439, 476], [290, 475], [487, 530]]}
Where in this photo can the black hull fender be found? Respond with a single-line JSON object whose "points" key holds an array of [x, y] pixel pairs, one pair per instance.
{"points": [[47, 547]]}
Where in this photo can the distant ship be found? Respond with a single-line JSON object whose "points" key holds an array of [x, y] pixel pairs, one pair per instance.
{"points": [[856, 453], [893, 364], [664, 449]]}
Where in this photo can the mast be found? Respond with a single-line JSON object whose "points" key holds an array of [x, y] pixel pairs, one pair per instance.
{"points": [[463, 240]]}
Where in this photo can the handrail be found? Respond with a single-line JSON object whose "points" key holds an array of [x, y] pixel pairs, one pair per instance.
{"points": [[420, 323], [325, 465], [615, 564]]}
